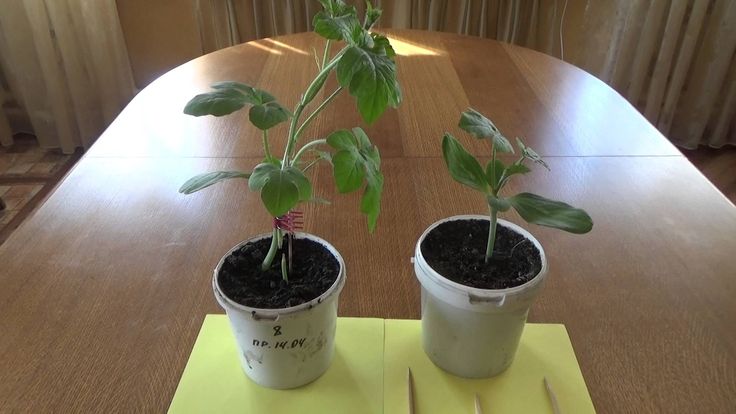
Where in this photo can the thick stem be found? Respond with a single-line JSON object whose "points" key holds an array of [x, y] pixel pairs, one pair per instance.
{"points": [[319, 109], [300, 108], [326, 54], [284, 272], [491, 233], [271, 250], [303, 149], [266, 148]]}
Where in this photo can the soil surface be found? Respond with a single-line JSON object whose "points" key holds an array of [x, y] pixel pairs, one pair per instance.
{"points": [[456, 250], [314, 270]]}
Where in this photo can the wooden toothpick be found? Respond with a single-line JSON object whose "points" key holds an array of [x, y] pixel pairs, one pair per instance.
{"points": [[410, 389], [478, 410], [552, 397]]}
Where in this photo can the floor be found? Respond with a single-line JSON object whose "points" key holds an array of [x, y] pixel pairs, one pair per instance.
{"points": [[719, 165], [29, 173]]}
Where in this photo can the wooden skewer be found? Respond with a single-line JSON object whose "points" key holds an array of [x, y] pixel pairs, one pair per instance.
{"points": [[478, 410], [410, 389], [552, 397]]}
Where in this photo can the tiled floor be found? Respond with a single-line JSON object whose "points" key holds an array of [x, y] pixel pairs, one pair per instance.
{"points": [[27, 174]]}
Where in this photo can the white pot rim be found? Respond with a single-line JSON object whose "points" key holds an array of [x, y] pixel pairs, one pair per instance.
{"points": [[459, 288], [274, 314]]}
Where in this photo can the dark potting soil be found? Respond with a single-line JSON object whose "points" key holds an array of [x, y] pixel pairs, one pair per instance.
{"points": [[456, 250], [314, 270]]}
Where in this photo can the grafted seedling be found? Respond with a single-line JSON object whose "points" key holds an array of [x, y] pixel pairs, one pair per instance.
{"points": [[364, 66], [533, 208]]}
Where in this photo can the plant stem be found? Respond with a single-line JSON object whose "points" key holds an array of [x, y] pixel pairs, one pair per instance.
{"points": [[271, 250], [303, 149], [284, 273], [491, 233], [300, 108], [326, 54], [266, 148], [317, 111]]}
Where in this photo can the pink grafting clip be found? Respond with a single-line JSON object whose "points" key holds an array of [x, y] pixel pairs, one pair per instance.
{"points": [[290, 222]]}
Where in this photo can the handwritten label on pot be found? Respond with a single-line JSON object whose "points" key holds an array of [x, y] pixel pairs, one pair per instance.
{"points": [[292, 344]]}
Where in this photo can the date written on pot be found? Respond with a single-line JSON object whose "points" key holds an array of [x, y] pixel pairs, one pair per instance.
{"points": [[292, 344]]}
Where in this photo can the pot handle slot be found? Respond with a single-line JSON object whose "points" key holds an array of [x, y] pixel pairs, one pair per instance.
{"points": [[258, 317], [495, 300]]}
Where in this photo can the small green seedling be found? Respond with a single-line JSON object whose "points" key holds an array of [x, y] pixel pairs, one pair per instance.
{"points": [[466, 169], [365, 66]]}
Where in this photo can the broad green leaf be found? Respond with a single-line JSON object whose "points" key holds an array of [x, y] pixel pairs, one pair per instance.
{"points": [[217, 103], [338, 21], [349, 170], [341, 140], [498, 203], [260, 175], [201, 181], [479, 126], [530, 154], [545, 212], [464, 168], [230, 96], [280, 194], [370, 204], [267, 115], [301, 181], [371, 78], [355, 161], [494, 173]]}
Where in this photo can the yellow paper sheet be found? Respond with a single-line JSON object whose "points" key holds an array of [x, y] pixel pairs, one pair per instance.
{"points": [[213, 381], [545, 350]]}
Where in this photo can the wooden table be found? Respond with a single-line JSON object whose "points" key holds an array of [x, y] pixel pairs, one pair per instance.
{"points": [[104, 288]]}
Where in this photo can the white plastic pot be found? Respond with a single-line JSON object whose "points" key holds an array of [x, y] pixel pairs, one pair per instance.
{"points": [[470, 332], [288, 347]]}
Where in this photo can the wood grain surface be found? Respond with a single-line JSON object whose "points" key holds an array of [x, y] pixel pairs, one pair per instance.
{"points": [[103, 289]]}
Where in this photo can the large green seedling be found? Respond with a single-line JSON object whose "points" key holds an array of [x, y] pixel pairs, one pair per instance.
{"points": [[533, 208], [364, 66]]}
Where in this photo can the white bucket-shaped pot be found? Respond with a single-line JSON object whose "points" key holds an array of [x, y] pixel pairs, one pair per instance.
{"points": [[470, 332], [288, 347]]}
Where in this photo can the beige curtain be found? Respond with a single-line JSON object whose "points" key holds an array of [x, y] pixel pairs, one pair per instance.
{"points": [[66, 66], [672, 59]]}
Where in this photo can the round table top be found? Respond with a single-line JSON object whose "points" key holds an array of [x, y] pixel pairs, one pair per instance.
{"points": [[103, 289]]}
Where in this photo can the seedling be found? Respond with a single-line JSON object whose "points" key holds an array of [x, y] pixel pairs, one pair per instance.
{"points": [[365, 66], [466, 169]]}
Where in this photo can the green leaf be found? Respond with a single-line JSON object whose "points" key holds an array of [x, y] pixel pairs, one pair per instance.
{"points": [[280, 193], [370, 76], [370, 204], [267, 115], [356, 160], [342, 140], [464, 168], [498, 203], [494, 173], [260, 175], [512, 170], [338, 21], [230, 96], [530, 154], [201, 181], [545, 212], [302, 183], [349, 171], [217, 103], [479, 126], [371, 15]]}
